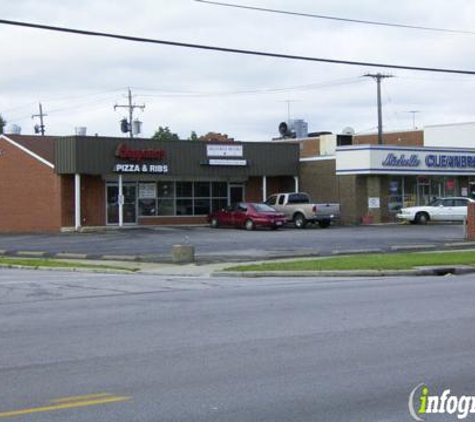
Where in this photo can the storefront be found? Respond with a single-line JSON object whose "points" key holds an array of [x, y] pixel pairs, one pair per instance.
{"points": [[394, 177], [93, 181]]}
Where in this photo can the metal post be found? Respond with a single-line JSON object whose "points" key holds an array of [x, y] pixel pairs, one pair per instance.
{"points": [[296, 180], [77, 202], [121, 202], [264, 188]]}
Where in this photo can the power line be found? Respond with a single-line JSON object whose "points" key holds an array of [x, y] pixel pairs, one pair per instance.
{"points": [[258, 91], [233, 50], [336, 18]]}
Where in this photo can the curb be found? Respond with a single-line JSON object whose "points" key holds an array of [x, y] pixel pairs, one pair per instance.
{"points": [[69, 269], [418, 272]]}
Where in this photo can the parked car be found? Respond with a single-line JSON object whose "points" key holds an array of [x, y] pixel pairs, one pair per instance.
{"points": [[442, 209], [299, 209], [247, 215]]}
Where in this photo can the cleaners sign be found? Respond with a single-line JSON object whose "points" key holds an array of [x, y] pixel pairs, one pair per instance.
{"points": [[386, 160]]}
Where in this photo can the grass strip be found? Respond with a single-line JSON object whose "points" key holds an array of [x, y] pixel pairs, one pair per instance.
{"points": [[395, 261], [52, 263]]}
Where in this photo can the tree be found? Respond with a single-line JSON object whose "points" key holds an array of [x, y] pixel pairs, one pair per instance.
{"points": [[193, 136], [3, 123], [164, 134]]}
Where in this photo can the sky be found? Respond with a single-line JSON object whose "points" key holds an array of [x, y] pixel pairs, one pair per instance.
{"points": [[78, 79]]}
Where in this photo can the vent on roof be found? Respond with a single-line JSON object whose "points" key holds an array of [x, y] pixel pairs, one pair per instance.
{"points": [[15, 129], [80, 131]]}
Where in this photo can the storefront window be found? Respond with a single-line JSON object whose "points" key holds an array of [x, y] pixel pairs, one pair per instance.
{"points": [[395, 199], [173, 198], [166, 189], [220, 189], [202, 189], [184, 189], [166, 206], [147, 199], [184, 207]]}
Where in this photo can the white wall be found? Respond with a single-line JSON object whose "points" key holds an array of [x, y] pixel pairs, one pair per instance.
{"points": [[457, 135]]}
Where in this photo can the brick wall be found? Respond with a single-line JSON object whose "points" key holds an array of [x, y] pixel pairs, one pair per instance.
{"points": [[30, 193], [172, 220], [93, 201], [471, 222], [319, 180], [413, 138]]}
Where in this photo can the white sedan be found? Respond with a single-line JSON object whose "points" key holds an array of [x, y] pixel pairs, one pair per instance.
{"points": [[443, 209]]}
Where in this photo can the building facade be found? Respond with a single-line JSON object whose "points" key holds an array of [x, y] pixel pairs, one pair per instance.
{"points": [[52, 184], [373, 182]]}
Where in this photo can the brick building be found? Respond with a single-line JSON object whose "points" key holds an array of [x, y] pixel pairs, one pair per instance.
{"points": [[373, 182], [58, 183]]}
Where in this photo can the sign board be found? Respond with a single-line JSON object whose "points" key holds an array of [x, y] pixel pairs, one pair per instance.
{"points": [[214, 150], [147, 190], [218, 162], [374, 203], [137, 155], [140, 168], [383, 159]]}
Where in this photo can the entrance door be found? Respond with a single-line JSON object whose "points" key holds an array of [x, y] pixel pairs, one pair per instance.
{"points": [[236, 193], [129, 191], [423, 192]]}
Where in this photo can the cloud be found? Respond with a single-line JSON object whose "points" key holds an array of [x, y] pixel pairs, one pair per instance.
{"points": [[172, 82]]}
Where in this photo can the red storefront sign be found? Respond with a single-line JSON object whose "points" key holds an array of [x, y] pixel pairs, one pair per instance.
{"points": [[137, 155]]}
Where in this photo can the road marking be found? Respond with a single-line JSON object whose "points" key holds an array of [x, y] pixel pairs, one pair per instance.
{"points": [[68, 403], [80, 398]]}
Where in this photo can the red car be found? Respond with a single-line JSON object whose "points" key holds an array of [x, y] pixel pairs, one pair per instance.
{"points": [[247, 215]]}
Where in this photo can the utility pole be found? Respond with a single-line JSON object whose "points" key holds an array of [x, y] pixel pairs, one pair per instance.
{"points": [[41, 127], [378, 77], [131, 108]]}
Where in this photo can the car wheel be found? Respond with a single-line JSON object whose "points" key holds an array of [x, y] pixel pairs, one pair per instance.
{"points": [[422, 218], [324, 223], [214, 223], [300, 221], [249, 225]]}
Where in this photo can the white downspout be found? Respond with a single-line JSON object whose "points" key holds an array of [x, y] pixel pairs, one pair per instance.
{"points": [[77, 202], [296, 179], [121, 202]]}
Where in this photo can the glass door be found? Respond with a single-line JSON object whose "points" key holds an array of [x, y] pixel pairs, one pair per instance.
{"points": [[236, 193], [129, 191]]}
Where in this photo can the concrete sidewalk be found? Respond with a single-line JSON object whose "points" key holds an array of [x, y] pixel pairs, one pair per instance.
{"points": [[218, 269]]}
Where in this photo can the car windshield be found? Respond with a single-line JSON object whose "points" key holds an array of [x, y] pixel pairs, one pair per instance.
{"points": [[263, 208]]}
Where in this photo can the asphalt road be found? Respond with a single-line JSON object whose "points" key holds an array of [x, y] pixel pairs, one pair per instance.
{"points": [[280, 350], [235, 244]]}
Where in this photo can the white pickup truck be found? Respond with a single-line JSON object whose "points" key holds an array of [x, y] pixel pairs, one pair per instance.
{"points": [[298, 208]]}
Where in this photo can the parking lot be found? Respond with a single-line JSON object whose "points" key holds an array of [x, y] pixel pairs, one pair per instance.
{"points": [[154, 244]]}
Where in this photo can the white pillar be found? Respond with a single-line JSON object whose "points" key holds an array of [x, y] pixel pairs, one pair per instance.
{"points": [[77, 202], [296, 179], [121, 202], [264, 188]]}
